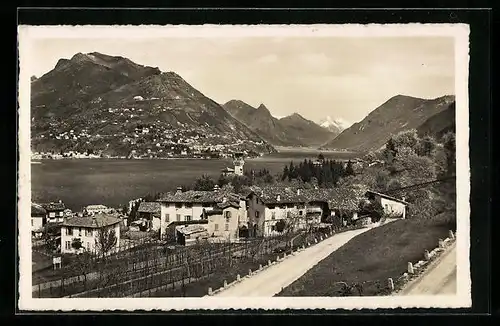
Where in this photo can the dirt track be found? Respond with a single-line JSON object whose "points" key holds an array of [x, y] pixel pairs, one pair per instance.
{"points": [[270, 281], [440, 278]]}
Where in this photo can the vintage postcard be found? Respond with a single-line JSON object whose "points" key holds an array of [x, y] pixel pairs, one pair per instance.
{"points": [[243, 167]]}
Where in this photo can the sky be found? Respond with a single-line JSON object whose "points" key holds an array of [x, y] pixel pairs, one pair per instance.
{"points": [[344, 78]]}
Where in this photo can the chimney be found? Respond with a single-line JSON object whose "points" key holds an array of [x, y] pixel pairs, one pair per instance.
{"points": [[179, 189], [298, 191], [278, 198], [60, 201], [224, 199], [403, 198]]}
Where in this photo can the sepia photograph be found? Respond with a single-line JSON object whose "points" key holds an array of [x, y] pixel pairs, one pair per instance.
{"points": [[243, 166]]}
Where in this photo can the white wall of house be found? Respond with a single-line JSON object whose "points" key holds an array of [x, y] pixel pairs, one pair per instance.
{"points": [[276, 212], [87, 236], [172, 212], [393, 208], [36, 223], [224, 226], [55, 217]]}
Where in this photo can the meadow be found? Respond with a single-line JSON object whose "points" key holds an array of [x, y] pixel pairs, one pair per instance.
{"points": [[113, 182]]}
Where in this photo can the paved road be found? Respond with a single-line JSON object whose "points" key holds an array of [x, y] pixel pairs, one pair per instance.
{"points": [[270, 281], [440, 278]]}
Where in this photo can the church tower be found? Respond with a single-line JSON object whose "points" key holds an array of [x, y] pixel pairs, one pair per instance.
{"points": [[238, 161]]}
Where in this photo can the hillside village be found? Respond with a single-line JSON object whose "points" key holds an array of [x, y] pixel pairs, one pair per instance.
{"points": [[244, 218]]}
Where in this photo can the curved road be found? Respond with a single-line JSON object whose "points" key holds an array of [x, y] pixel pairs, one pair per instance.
{"points": [[270, 281], [439, 278]]}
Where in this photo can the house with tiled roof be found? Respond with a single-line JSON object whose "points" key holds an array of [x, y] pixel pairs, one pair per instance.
{"points": [[38, 219], [191, 206], [393, 207], [300, 207], [55, 211], [151, 212], [86, 229], [223, 221]]}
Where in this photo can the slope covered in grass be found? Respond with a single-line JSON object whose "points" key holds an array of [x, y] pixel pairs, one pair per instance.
{"points": [[371, 258]]}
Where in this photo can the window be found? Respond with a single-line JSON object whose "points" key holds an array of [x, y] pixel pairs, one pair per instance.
{"points": [[283, 206], [257, 214], [68, 245], [61, 213], [88, 245], [80, 232], [69, 231], [216, 227], [300, 213], [188, 217], [52, 214], [167, 217], [271, 206], [189, 205], [178, 205], [88, 232], [226, 227], [273, 215], [301, 206], [228, 214], [31, 222], [178, 217]]}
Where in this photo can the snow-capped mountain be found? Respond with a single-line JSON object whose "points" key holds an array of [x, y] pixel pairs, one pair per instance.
{"points": [[334, 125]]}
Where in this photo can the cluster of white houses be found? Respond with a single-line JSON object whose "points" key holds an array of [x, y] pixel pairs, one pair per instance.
{"points": [[219, 215]]}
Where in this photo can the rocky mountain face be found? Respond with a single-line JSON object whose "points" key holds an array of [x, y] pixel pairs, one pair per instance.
{"points": [[397, 114], [293, 130], [440, 123], [112, 105]]}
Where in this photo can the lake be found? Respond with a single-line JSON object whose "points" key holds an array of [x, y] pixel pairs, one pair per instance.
{"points": [[113, 182]]}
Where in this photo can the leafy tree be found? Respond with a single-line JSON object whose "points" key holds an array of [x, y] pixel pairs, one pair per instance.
{"points": [[390, 151], [321, 157], [407, 138], [76, 243], [106, 240], [205, 183], [349, 170], [450, 152], [280, 226], [427, 146]]}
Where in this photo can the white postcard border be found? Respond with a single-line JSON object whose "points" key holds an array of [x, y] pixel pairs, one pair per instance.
{"points": [[460, 32]]}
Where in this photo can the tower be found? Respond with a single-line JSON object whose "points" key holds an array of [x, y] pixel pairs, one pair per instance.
{"points": [[238, 163]]}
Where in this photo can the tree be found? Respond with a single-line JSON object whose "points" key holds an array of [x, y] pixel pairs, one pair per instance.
{"points": [[205, 183], [286, 173], [349, 170], [427, 146], [84, 265], [407, 138], [321, 157], [280, 226], [450, 152], [49, 236], [390, 151], [106, 240], [76, 243]]}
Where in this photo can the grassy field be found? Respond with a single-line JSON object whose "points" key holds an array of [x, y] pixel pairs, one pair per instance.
{"points": [[114, 182], [371, 258]]}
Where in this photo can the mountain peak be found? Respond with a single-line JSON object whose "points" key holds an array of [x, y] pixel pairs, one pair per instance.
{"points": [[262, 107]]}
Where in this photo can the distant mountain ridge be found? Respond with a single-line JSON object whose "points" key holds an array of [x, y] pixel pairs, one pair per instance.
{"points": [[102, 100], [397, 114], [293, 130]]}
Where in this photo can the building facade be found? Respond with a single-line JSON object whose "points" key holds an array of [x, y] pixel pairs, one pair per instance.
{"points": [[191, 207], [38, 220], [393, 207], [86, 229], [55, 212], [97, 209]]}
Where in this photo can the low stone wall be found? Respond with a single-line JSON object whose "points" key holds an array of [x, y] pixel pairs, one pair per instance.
{"points": [[415, 269]]}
